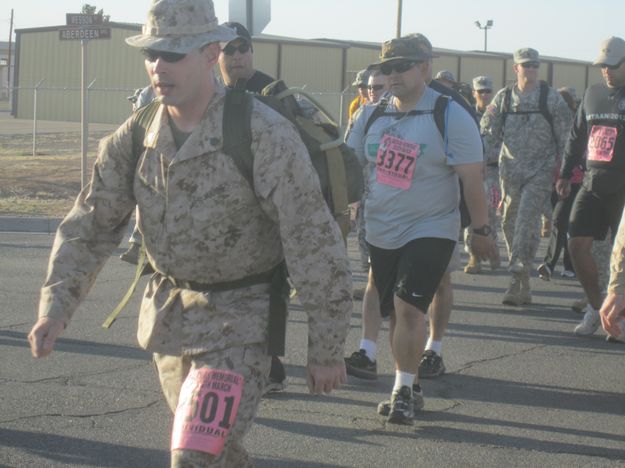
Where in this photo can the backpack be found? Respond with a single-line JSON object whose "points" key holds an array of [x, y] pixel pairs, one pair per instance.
{"points": [[440, 107], [542, 107]]}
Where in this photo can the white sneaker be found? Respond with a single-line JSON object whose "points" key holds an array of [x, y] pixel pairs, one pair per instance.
{"points": [[589, 323], [568, 274], [621, 337]]}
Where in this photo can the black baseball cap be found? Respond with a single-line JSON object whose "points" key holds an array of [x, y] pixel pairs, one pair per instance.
{"points": [[240, 30]]}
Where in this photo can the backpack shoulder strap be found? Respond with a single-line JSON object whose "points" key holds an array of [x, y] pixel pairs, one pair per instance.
{"points": [[142, 122], [542, 105], [237, 132], [376, 114], [440, 115]]}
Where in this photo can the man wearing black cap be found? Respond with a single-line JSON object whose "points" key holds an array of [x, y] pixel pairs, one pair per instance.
{"points": [[236, 61]]}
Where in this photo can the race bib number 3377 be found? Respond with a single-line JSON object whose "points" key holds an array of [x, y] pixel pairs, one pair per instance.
{"points": [[396, 161]]}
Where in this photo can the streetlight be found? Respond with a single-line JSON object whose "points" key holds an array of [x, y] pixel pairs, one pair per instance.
{"points": [[486, 27]]}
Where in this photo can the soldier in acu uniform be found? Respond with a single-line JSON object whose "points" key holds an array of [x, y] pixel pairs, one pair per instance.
{"points": [[526, 144], [214, 241]]}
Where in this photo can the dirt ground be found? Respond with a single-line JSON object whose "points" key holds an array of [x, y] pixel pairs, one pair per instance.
{"points": [[45, 184]]}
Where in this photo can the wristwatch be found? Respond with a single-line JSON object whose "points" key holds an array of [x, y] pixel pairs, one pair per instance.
{"points": [[483, 231]]}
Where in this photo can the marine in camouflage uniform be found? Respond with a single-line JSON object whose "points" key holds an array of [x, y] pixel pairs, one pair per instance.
{"points": [[203, 224], [527, 149]]}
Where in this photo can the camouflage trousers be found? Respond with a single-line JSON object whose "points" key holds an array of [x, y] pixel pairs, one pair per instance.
{"points": [[361, 233], [253, 363], [493, 197], [601, 252], [523, 203]]}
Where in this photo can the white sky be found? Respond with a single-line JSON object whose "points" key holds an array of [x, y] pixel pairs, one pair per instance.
{"points": [[563, 28]]}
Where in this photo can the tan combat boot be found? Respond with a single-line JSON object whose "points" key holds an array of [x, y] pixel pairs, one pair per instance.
{"points": [[526, 292], [512, 296], [474, 266]]}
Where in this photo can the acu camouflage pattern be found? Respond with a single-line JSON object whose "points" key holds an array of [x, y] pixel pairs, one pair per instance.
{"points": [[527, 160], [202, 222]]}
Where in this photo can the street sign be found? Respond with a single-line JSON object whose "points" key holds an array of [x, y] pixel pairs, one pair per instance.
{"points": [[82, 19], [70, 34], [253, 14]]}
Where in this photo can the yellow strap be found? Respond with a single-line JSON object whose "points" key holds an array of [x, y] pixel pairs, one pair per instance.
{"points": [[141, 263]]}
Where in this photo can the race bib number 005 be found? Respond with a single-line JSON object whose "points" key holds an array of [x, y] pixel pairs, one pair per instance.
{"points": [[396, 161], [207, 407], [601, 143]]}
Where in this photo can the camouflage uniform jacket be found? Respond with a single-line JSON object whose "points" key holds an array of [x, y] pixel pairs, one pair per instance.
{"points": [[526, 147], [202, 222], [617, 261]]}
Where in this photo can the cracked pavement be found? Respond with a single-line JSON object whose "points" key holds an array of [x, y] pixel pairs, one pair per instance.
{"points": [[520, 389]]}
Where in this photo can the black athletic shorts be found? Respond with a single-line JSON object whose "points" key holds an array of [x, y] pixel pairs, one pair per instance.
{"points": [[592, 214], [411, 272]]}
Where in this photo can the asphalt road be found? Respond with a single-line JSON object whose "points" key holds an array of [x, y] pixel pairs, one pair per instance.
{"points": [[520, 389]]}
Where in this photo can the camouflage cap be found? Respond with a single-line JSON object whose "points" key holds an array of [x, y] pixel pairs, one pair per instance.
{"points": [[181, 26], [612, 52], [482, 82], [404, 48], [362, 77], [526, 55], [445, 75]]}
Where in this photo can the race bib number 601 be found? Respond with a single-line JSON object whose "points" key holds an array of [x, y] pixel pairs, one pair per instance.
{"points": [[396, 161], [208, 404]]}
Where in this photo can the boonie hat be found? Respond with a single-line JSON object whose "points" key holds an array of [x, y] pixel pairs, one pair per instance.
{"points": [[404, 48], [362, 77], [240, 30], [180, 26], [612, 52], [482, 82], [526, 55], [445, 75]]}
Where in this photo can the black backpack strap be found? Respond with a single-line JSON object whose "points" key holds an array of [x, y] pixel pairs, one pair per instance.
{"points": [[376, 114], [440, 113], [237, 133], [505, 107], [544, 109]]}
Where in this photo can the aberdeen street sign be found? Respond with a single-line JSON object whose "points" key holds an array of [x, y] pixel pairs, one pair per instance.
{"points": [[84, 27]]}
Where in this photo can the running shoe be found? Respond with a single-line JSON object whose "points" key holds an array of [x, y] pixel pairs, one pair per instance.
{"points": [[384, 407], [431, 365], [544, 272], [568, 274], [359, 365], [402, 407], [621, 337], [277, 376], [589, 323]]}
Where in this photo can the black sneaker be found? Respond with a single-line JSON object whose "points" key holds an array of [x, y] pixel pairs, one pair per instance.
{"points": [[384, 407], [402, 407], [277, 376], [359, 365], [431, 365]]}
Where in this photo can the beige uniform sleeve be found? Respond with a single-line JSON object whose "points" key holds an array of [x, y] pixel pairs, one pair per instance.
{"points": [[313, 246], [617, 261], [92, 229]]}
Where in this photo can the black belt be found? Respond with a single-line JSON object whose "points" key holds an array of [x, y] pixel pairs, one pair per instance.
{"points": [[251, 280]]}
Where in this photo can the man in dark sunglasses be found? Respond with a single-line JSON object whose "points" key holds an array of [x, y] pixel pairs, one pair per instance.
{"points": [[525, 129], [236, 61], [217, 243], [598, 139], [376, 86], [411, 207]]}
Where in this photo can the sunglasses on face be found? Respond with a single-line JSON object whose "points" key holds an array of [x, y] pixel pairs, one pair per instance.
{"points": [[397, 67], [170, 57], [530, 65], [613, 67], [484, 91], [230, 49], [376, 87]]}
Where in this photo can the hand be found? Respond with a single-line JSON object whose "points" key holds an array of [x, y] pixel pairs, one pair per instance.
{"points": [[612, 313], [563, 187], [324, 379], [483, 247], [43, 335]]}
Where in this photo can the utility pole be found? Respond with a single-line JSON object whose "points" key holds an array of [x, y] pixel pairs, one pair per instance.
{"points": [[9, 61], [399, 8], [486, 27]]}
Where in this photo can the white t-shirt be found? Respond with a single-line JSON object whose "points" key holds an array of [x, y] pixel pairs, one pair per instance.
{"points": [[413, 188]]}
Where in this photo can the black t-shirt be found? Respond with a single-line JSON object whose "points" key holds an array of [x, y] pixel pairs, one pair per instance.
{"points": [[598, 133], [258, 81]]}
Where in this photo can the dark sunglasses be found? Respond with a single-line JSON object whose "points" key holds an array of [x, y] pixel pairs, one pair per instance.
{"points": [[152, 55], [484, 91], [530, 65], [230, 49], [376, 87], [612, 67], [398, 67]]}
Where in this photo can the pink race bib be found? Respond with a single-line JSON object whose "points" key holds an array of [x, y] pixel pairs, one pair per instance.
{"points": [[207, 407], [601, 143], [396, 161], [494, 197]]}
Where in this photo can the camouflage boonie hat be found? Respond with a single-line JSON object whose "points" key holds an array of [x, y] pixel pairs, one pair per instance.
{"points": [[180, 26], [526, 55], [445, 75], [482, 82], [362, 77], [403, 48], [612, 52]]}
